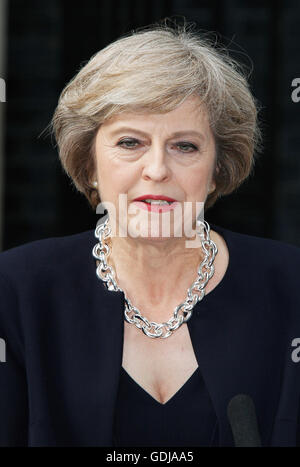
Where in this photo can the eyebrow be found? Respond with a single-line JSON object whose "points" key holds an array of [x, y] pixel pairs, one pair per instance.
{"points": [[175, 134]]}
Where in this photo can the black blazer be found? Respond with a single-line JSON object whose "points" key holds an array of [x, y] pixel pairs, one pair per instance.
{"points": [[63, 335]]}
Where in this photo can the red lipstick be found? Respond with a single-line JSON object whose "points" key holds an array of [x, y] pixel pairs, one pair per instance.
{"points": [[140, 202], [162, 197]]}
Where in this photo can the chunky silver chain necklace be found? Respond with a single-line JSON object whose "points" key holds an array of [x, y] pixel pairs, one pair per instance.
{"points": [[183, 311]]}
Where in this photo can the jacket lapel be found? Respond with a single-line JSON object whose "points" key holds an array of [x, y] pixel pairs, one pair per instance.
{"points": [[235, 352], [232, 343], [110, 334]]}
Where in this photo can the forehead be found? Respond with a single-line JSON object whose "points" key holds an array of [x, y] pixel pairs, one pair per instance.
{"points": [[189, 114]]}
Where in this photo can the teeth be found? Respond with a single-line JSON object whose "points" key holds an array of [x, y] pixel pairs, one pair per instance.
{"points": [[157, 201]]}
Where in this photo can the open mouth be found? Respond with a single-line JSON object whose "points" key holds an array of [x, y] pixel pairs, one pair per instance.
{"points": [[158, 203]]}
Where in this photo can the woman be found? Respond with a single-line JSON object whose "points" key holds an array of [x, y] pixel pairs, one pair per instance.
{"points": [[145, 335]]}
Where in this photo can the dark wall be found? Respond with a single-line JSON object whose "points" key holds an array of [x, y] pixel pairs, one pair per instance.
{"points": [[47, 43]]}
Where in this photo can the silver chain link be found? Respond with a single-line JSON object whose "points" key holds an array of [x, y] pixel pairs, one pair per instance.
{"points": [[183, 311]]}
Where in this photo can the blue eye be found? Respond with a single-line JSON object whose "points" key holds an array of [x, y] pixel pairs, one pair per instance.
{"points": [[120, 143], [131, 144], [188, 145]]}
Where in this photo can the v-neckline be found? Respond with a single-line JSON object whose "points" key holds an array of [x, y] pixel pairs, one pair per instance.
{"points": [[146, 393], [210, 297]]}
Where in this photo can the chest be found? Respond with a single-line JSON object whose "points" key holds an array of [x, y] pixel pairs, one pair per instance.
{"points": [[160, 366]]}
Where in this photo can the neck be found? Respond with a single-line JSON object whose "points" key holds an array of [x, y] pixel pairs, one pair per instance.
{"points": [[154, 273]]}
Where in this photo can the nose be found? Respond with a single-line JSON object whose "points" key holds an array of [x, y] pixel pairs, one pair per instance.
{"points": [[155, 165]]}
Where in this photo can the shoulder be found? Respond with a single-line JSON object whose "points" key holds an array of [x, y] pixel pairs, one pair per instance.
{"points": [[41, 256], [264, 252], [36, 278], [266, 268]]}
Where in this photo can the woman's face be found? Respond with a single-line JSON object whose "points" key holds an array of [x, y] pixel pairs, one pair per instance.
{"points": [[171, 154]]}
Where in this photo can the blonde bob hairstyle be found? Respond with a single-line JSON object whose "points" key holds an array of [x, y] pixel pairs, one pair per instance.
{"points": [[154, 69]]}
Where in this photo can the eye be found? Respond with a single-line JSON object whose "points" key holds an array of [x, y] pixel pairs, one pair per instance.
{"points": [[187, 146], [126, 142], [131, 143]]}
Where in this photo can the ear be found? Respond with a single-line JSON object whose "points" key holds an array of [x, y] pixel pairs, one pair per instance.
{"points": [[212, 187], [213, 183], [93, 178]]}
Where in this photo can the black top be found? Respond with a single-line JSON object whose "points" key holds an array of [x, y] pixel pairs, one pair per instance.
{"points": [[63, 334], [186, 419]]}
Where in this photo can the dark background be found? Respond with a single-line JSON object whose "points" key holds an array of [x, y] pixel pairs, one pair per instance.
{"points": [[47, 43]]}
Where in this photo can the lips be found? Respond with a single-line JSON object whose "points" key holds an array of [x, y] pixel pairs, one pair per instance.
{"points": [[156, 207], [155, 197]]}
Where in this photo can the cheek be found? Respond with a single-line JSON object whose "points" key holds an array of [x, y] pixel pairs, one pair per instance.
{"points": [[115, 179], [195, 181]]}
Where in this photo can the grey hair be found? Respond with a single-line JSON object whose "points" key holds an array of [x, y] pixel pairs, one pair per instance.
{"points": [[154, 69]]}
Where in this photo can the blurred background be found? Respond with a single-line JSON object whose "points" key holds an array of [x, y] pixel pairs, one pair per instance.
{"points": [[44, 44]]}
